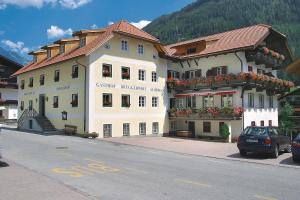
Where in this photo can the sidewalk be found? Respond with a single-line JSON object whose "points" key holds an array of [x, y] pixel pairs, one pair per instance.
{"points": [[19, 183], [202, 148]]}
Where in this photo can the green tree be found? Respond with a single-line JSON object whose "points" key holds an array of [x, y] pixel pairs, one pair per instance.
{"points": [[285, 122]]}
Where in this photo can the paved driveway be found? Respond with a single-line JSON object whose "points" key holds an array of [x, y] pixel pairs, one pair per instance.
{"points": [[202, 148]]}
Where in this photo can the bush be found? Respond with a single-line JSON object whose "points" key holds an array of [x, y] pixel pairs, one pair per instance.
{"points": [[224, 131], [88, 135]]}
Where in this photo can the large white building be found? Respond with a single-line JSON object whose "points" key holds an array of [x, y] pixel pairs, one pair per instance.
{"points": [[121, 81]]}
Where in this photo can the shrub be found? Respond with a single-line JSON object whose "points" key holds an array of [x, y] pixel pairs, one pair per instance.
{"points": [[88, 135], [224, 131]]}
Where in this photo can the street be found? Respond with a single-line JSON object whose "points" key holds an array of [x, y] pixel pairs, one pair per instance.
{"points": [[105, 170]]}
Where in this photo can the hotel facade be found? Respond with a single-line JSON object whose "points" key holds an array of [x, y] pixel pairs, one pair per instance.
{"points": [[121, 81]]}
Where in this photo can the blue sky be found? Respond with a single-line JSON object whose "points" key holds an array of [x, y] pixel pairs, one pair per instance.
{"points": [[26, 25]]}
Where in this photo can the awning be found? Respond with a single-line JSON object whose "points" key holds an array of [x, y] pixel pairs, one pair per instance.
{"points": [[206, 93]]}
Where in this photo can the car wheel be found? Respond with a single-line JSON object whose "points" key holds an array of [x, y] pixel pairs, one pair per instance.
{"points": [[288, 149], [275, 152], [243, 153]]}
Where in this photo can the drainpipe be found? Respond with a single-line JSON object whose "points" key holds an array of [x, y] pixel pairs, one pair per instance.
{"points": [[243, 89], [85, 84]]}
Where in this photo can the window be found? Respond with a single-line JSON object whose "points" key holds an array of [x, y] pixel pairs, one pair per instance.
{"points": [[270, 123], [142, 101], [221, 124], [75, 71], [74, 100], [191, 50], [173, 125], [124, 46], [217, 71], [206, 127], [173, 74], [189, 74], [30, 82], [179, 103], [253, 123], [251, 100], [107, 130], [155, 128], [259, 71], [140, 49], [250, 68], [22, 84], [64, 115], [61, 49], [226, 100], [198, 73], [142, 75], [82, 42], [154, 77], [208, 101], [126, 129], [42, 79], [125, 101], [142, 128], [56, 75], [107, 100], [30, 104], [125, 73], [271, 102], [155, 102], [22, 105], [262, 123], [48, 53], [191, 102], [35, 58], [55, 102], [261, 101], [106, 70]]}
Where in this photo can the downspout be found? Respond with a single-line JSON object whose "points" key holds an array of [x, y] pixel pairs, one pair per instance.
{"points": [[85, 84], [243, 89]]}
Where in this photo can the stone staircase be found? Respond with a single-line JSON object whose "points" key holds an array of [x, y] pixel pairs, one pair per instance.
{"points": [[42, 121]]}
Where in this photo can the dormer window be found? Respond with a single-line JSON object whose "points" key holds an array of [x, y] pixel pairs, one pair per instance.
{"points": [[34, 58], [62, 49], [48, 53], [191, 50], [124, 46], [82, 42]]}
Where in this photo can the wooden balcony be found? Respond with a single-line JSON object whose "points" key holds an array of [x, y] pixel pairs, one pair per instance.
{"points": [[248, 80]]}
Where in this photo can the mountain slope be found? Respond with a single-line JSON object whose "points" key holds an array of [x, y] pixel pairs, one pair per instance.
{"points": [[13, 56], [205, 17]]}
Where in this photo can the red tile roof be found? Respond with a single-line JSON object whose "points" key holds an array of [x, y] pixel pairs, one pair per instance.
{"points": [[242, 38], [121, 27]]}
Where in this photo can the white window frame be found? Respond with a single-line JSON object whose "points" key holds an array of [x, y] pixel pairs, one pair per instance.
{"points": [[142, 128], [124, 45], [154, 76], [251, 100], [107, 130], [210, 101], [142, 101], [227, 100], [126, 129], [155, 128], [142, 75], [154, 102], [141, 49]]}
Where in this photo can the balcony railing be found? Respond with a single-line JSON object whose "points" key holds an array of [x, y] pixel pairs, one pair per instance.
{"points": [[251, 80], [210, 113]]}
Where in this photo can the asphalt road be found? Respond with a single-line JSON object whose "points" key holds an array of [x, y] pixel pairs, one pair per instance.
{"points": [[105, 170]]}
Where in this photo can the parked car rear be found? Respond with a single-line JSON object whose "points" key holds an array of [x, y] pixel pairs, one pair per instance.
{"points": [[296, 148], [263, 140]]}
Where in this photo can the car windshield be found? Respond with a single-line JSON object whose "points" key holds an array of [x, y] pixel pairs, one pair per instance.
{"points": [[255, 131]]}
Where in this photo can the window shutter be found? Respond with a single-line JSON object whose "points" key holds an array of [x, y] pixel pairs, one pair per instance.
{"points": [[209, 73], [182, 76], [224, 70], [198, 73], [214, 71], [187, 74]]}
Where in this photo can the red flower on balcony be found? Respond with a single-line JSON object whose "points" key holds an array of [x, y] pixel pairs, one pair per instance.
{"points": [[214, 111], [238, 111]]}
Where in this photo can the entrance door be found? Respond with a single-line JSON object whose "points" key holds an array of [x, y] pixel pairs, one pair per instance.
{"points": [[192, 128], [42, 105]]}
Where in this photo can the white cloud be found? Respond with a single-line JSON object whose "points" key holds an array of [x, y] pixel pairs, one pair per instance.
{"points": [[16, 46], [141, 24], [56, 32], [110, 23], [94, 26], [70, 4]]}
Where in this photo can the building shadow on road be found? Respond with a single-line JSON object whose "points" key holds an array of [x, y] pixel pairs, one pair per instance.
{"points": [[251, 156], [3, 164], [33, 132], [289, 161]]}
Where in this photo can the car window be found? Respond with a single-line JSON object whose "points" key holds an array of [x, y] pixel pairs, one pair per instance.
{"points": [[255, 131], [273, 131]]}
